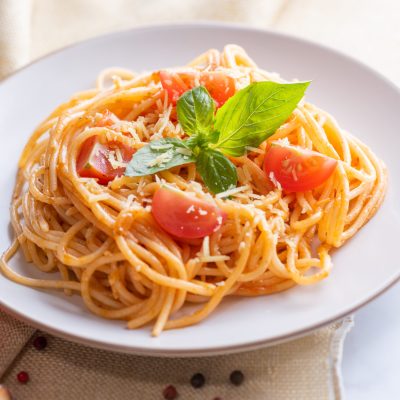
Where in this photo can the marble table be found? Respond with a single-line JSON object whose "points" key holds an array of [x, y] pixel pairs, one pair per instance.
{"points": [[371, 355]]}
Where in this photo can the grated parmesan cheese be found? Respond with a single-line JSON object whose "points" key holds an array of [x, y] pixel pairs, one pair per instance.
{"points": [[282, 141], [161, 181], [162, 123], [185, 152], [219, 220], [113, 159], [256, 196], [274, 180], [190, 209], [202, 212], [161, 146], [206, 247], [231, 192], [129, 200], [161, 159], [119, 155], [255, 149], [142, 183]]}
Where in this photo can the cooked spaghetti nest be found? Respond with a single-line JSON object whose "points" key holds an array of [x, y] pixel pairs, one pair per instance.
{"points": [[107, 247]]}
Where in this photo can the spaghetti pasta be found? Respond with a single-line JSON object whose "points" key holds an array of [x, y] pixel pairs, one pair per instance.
{"points": [[105, 243]]}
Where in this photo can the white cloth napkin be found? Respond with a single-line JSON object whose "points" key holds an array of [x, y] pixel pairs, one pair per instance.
{"points": [[15, 29], [367, 30], [306, 368]]}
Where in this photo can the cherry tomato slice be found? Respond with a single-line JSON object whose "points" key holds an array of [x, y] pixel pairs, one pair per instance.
{"points": [[220, 86], [174, 85], [184, 216], [297, 169], [94, 160]]}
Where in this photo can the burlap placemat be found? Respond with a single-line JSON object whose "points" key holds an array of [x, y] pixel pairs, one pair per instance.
{"points": [[303, 369]]}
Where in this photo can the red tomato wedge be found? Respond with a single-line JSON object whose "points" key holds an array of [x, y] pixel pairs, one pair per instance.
{"points": [[94, 160], [184, 216], [220, 86], [174, 85], [297, 169]]}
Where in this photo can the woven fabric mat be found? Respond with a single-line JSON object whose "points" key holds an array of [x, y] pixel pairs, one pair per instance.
{"points": [[302, 369]]}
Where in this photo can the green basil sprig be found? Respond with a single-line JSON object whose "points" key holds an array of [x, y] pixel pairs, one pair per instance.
{"points": [[195, 110], [160, 155], [254, 114], [217, 171], [246, 119]]}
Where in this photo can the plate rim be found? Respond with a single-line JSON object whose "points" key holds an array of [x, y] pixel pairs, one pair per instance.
{"points": [[207, 350]]}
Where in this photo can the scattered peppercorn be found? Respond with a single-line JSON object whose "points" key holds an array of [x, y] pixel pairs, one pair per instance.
{"points": [[237, 377], [23, 377], [170, 393], [197, 381], [40, 343]]}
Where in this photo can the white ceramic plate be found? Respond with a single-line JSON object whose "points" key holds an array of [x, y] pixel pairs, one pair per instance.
{"points": [[361, 100]]}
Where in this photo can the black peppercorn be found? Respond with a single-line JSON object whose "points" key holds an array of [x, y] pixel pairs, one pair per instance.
{"points": [[237, 377], [170, 393], [40, 343], [197, 381]]}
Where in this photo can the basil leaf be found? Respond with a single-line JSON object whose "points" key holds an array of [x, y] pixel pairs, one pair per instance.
{"points": [[196, 141], [218, 173], [195, 109], [213, 136], [159, 155], [255, 113]]}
